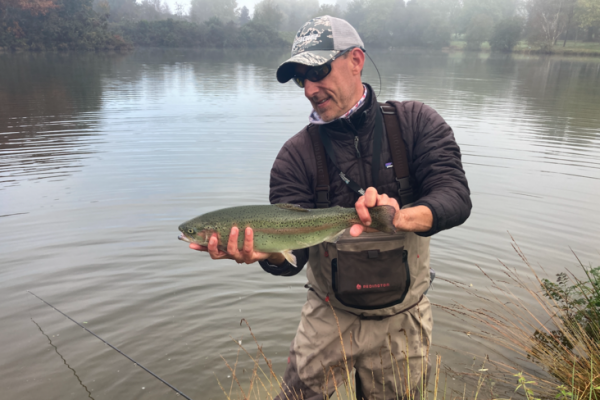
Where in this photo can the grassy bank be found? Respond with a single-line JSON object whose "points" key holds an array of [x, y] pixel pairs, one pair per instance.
{"points": [[572, 48], [552, 324]]}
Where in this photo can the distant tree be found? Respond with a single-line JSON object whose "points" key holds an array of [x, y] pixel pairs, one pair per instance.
{"points": [[267, 12], [67, 24], [295, 12], [478, 31], [447, 12], [506, 34], [179, 10], [35, 7], [118, 10], [547, 20], [152, 10], [260, 35], [328, 9], [587, 14], [342, 5], [244, 16], [474, 11], [427, 24], [383, 23], [355, 13], [203, 10]]}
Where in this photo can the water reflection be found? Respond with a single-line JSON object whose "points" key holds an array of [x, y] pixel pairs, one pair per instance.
{"points": [[161, 136], [48, 113]]}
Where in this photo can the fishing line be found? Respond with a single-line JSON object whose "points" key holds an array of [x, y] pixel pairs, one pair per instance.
{"points": [[114, 348], [64, 360], [377, 69]]}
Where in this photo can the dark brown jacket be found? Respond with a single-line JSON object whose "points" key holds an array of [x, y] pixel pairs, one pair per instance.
{"points": [[434, 161]]}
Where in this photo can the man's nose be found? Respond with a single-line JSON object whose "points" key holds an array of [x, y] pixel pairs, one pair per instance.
{"points": [[310, 88]]}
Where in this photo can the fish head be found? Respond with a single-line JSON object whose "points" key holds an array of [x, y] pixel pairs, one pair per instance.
{"points": [[195, 231]]}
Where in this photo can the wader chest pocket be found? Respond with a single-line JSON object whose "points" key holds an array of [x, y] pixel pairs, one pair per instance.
{"points": [[371, 279]]}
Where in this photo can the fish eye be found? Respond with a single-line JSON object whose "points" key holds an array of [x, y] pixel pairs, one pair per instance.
{"points": [[190, 231]]}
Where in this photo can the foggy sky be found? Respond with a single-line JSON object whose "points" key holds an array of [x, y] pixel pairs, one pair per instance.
{"points": [[248, 3]]}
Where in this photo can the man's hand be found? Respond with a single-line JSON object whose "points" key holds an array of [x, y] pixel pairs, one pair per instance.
{"points": [[247, 255], [413, 219]]}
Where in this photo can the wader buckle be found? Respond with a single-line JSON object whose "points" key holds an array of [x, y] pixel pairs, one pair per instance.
{"points": [[322, 196], [383, 111], [405, 191]]}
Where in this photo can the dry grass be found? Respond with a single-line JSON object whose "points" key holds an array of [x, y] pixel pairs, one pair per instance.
{"points": [[563, 351], [263, 382], [554, 355]]}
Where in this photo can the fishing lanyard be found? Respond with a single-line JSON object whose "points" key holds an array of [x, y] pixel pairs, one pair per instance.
{"points": [[377, 138]]}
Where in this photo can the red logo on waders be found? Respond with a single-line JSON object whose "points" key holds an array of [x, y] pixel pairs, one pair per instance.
{"points": [[358, 287]]}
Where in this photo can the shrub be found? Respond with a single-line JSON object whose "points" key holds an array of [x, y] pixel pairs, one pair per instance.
{"points": [[478, 31], [506, 34]]}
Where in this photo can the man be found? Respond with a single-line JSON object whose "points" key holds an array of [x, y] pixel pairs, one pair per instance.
{"points": [[367, 288]]}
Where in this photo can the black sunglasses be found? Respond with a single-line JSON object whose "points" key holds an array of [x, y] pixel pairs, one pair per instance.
{"points": [[315, 74]]}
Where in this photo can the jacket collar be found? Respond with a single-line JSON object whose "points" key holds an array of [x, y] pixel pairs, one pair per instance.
{"points": [[361, 123]]}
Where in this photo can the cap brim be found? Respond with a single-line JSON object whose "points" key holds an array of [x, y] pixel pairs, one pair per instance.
{"points": [[285, 72]]}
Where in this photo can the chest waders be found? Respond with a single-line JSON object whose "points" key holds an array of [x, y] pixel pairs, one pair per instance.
{"points": [[376, 284], [374, 275]]}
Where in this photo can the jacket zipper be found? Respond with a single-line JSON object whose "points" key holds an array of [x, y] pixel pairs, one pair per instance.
{"points": [[360, 163], [356, 146]]}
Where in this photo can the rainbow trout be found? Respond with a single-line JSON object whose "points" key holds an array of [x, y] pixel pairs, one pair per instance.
{"points": [[281, 228]]}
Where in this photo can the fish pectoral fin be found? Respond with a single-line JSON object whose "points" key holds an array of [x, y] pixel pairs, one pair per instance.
{"points": [[290, 257], [335, 237], [291, 207]]}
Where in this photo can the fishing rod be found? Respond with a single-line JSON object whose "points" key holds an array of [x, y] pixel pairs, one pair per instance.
{"points": [[114, 348]]}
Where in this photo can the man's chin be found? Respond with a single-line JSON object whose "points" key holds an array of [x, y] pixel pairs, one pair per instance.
{"points": [[327, 116]]}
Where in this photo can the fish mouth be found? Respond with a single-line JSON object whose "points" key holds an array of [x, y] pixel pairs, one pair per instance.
{"points": [[184, 238]]}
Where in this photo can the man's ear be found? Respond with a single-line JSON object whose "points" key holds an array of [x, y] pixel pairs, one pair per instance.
{"points": [[357, 58]]}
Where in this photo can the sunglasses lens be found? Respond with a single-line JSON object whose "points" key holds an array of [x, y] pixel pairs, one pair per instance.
{"points": [[299, 81], [315, 74]]}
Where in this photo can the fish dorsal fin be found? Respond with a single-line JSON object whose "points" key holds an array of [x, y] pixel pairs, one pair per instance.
{"points": [[291, 207]]}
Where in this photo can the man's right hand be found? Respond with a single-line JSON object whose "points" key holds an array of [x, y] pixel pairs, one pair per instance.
{"points": [[247, 255]]}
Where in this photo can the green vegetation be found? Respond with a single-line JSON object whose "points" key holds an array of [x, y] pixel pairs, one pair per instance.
{"points": [[106, 24], [575, 341], [557, 328], [506, 34], [212, 33], [562, 336], [55, 25], [572, 48]]}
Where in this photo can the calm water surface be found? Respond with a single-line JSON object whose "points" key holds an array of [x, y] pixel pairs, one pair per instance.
{"points": [[102, 156]]}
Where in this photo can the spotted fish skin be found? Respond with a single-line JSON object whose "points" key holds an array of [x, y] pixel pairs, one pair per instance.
{"points": [[281, 227]]}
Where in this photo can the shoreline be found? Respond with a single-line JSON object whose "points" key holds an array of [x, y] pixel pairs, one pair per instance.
{"points": [[576, 49], [566, 52]]}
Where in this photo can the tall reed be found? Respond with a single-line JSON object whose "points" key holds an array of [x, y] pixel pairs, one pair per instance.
{"points": [[559, 334]]}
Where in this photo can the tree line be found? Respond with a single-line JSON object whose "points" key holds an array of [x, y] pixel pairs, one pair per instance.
{"points": [[99, 24]]}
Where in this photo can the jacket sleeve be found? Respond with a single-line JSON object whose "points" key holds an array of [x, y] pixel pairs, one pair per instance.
{"points": [[291, 184], [436, 167]]}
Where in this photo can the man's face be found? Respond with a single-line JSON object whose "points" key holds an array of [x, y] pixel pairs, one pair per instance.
{"points": [[335, 94]]}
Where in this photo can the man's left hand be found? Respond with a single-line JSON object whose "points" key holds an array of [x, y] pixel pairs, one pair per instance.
{"points": [[413, 219]]}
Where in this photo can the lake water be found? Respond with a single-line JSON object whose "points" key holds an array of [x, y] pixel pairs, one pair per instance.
{"points": [[103, 156]]}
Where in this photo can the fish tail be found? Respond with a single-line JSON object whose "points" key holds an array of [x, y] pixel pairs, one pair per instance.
{"points": [[382, 218]]}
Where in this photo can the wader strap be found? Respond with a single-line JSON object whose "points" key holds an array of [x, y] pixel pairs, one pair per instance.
{"points": [[369, 317], [382, 317], [322, 190], [399, 155]]}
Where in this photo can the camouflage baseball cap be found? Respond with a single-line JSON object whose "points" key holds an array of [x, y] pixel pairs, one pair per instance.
{"points": [[318, 41]]}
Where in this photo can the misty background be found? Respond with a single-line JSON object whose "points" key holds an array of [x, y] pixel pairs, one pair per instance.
{"points": [[546, 26]]}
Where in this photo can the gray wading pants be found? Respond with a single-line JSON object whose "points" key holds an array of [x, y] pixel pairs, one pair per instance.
{"points": [[389, 346], [390, 355]]}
